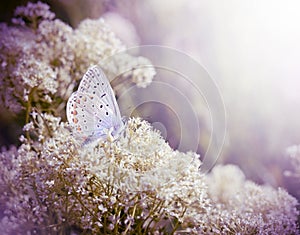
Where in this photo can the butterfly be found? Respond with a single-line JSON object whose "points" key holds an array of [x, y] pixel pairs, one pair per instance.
{"points": [[92, 110]]}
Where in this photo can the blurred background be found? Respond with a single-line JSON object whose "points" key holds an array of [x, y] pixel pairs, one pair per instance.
{"points": [[250, 48]]}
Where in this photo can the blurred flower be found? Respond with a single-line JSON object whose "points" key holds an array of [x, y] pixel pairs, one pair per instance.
{"points": [[294, 156], [32, 14], [249, 208], [293, 174], [123, 28]]}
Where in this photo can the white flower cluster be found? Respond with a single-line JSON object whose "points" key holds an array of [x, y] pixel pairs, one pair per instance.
{"points": [[32, 14], [136, 184], [138, 70], [248, 208], [45, 58]]}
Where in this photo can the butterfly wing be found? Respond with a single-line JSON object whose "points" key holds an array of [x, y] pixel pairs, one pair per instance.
{"points": [[93, 109], [94, 82]]}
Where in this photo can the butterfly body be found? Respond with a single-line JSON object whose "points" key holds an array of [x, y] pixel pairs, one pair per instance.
{"points": [[92, 110]]}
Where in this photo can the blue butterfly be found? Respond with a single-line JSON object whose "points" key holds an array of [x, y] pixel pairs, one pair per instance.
{"points": [[92, 110]]}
